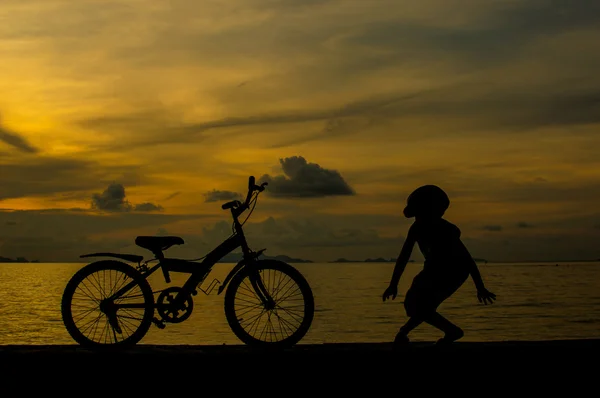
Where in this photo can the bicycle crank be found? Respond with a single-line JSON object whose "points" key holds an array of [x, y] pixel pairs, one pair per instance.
{"points": [[158, 323]]}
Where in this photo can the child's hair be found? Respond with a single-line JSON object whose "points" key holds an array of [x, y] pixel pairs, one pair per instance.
{"points": [[428, 200]]}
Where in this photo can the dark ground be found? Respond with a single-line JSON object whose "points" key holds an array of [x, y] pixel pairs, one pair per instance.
{"points": [[530, 368]]}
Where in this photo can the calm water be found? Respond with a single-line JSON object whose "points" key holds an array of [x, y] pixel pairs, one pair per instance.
{"points": [[535, 302]]}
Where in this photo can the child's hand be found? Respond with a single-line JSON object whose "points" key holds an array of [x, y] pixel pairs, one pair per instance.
{"points": [[484, 295], [390, 291]]}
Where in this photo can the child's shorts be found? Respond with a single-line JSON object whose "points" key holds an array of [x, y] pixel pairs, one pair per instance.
{"points": [[428, 291]]}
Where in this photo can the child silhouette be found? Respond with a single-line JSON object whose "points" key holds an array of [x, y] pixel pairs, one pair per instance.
{"points": [[447, 265]]}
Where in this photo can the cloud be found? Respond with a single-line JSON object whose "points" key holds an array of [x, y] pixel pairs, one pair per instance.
{"points": [[495, 36], [147, 207], [162, 232], [174, 194], [310, 236], [493, 228], [217, 196], [46, 175], [303, 179], [462, 105], [113, 199], [63, 235], [162, 126], [523, 224], [16, 140]]}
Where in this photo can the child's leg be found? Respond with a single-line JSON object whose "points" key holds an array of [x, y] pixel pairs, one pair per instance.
{"points": [[451, 331], [412, 323], [402, 336]]}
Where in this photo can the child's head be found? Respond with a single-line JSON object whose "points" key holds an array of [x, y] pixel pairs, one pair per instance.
{"points": [[428, 201]]}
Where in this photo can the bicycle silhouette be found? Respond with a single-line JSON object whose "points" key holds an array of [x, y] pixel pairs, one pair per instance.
{"points": [[258, 290]]}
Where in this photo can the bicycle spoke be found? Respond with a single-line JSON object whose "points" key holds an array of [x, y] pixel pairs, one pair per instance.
{"points": [[294, 316], [83, 315], [275, 324], [90, 295], [287, 323], [90, 313], [91, 323], [287, 285]]}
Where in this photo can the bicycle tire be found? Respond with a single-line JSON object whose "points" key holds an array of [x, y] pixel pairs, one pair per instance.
{"points": [[239, 281], [78, 280]]}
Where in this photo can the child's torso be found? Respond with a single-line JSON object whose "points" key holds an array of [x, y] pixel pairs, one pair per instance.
{"points": [[438, 240]]}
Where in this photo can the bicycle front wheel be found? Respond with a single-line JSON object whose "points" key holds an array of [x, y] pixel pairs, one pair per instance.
{"points": [[92, 318], [281, 324]]}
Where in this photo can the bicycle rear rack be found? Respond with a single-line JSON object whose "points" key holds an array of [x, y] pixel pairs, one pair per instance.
{"points": [[210, 287]]}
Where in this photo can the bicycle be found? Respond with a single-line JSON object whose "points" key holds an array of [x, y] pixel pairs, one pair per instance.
{"points": [[123, 313]]}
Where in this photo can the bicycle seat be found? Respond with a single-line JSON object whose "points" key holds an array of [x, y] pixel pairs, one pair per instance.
{"points": [[158, 243]]}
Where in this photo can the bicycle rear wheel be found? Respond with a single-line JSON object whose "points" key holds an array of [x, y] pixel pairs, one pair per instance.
{"points": [[92, 319], [288, 319]]}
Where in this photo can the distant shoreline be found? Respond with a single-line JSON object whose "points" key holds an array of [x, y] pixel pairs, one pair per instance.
{"points": [[368, 260], [17, 260]]}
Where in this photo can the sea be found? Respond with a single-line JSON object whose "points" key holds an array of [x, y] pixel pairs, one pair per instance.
{"points": [[535, 301]]}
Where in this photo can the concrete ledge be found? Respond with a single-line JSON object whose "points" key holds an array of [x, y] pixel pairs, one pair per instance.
{"points": [[335, 353], [327, 349], [569, 363]]}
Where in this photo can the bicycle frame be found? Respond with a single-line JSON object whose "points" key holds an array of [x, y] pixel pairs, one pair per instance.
{"points": [[199, 271]]}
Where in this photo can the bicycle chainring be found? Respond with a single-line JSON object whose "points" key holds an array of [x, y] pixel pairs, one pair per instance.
{"points": [[174, 305]]}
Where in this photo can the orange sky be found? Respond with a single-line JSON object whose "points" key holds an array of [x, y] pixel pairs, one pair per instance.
{"points": [[145, 108]]}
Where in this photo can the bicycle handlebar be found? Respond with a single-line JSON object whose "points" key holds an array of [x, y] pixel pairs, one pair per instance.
{"points": [[240, 207]]}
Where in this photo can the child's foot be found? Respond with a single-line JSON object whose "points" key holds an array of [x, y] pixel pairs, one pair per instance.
{"points": [[451, 337], [401, 339]]}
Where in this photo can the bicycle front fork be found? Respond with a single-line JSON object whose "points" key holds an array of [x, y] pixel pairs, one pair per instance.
{"points": [[261, 291]]}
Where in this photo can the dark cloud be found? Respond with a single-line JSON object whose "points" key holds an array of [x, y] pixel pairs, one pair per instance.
{"points": [[63, 235], [497, 36], [148, 207], [217, 196], [162, 232], [16, 140], [159, 127], [493, 228], [293, 4], [310, 236], [523, 224], [11, 223], [303, 179], [507, 110], [583, 193], [42, 176], [174, 194], [153, 129], [113, 199]]}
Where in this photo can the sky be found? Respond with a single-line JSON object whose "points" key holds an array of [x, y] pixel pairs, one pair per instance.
{"points": [[141, 117]]}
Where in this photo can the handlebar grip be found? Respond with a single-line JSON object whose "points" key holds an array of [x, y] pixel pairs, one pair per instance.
{"points": [[251, 183]]}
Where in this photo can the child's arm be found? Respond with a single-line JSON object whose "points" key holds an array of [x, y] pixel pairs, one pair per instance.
{"points": [[401, 262], [404, 256], [473, 269], [483, 294]]}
